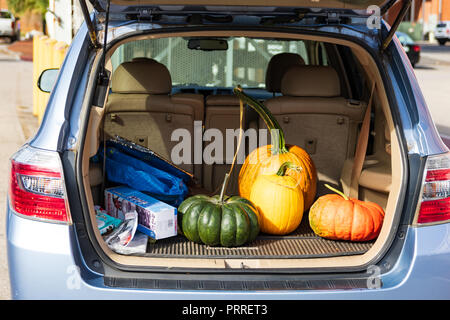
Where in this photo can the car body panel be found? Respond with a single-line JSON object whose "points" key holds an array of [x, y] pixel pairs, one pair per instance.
{"points": [[38, 272], [412, 49], [55, 129], [249, 4]]}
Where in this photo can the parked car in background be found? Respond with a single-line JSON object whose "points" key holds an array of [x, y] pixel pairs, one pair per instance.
{"points": [[442, 32], [412, 49], [9, 26]]}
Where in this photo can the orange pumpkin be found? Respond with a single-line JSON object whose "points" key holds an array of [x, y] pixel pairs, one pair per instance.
{"points": [[267, 159], [262, 161], [337, 217]]}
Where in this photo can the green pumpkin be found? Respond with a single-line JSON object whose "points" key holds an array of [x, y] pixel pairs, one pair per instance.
{"points": [[225, 221]]}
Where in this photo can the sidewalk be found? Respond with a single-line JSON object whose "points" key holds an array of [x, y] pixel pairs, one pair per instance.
{"points": [[24, 48], [16, 92]]}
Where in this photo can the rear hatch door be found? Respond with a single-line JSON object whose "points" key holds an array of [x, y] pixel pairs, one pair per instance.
{"points": [[254, 5]]}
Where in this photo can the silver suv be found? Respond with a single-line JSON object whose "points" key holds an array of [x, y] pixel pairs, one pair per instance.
{"points": [[158, 69]]}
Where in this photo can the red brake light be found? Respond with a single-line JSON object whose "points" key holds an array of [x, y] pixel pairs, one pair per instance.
{"points": [[37, 185], [12, 24], [435, 203], [416, 48]]}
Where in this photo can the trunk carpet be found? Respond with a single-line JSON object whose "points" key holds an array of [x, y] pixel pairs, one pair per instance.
{"points": [[302, 243]]}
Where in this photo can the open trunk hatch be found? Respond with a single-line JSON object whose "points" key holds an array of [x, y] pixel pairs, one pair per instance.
{"points": [[262, 5], [380, 182]]}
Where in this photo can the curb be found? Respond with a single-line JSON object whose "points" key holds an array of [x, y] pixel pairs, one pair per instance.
{"points": [[18, 53], [10, 53]]}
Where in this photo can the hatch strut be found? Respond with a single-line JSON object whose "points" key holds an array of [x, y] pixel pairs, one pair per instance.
{"points": [[103, 76], [89, 24], [398, 19]]}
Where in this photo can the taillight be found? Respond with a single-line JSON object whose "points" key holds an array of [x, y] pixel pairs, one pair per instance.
{"points": [[37, 185], [435, 203], [12, 24], [416, 48]]}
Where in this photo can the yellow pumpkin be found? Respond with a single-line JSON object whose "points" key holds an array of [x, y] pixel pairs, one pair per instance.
{"points": [[262, 161], [278, 200], [267, 159]]}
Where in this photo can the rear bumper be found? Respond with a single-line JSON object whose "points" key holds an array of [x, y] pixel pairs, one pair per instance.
{"points": [[414, 57], [6, 33], [44, 264]]}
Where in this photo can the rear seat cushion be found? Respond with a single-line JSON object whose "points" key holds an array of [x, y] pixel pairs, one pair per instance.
{"points": [[222, 112], [148, 121], [194, 100], [314, 116], [141, 109], [311, 81]]}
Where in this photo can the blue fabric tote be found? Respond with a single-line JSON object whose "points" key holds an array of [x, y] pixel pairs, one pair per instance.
{"points": [[137, 174]]}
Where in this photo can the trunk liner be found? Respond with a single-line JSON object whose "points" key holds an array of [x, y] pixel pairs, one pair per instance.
{"points": [[302, 243]]}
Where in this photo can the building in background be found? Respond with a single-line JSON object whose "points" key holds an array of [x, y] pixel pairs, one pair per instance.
{"points": [[63, 19], [421, 18]]}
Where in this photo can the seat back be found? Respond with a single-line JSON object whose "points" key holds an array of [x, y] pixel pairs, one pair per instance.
{"points": [[221, 113], [314, 116], [141, 109]]}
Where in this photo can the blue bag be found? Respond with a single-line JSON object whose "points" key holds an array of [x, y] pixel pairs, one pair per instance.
{"points": [[150, 157], [124, 169]]}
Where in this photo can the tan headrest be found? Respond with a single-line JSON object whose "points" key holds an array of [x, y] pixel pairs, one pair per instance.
{"points": [[311, 81], [143, 59], [276, 68], [141, 76]]}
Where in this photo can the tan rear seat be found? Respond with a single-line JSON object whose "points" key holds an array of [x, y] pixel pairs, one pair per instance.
{"points": [[221, 112], [141, 109], [314, 116]]}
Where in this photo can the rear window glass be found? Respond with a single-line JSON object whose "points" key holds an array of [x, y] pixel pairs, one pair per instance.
{"points": [[5, 15], [441, 25], [244, 62]]}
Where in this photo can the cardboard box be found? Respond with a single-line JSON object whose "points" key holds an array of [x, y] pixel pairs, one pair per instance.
{"points": [[157, 219]]}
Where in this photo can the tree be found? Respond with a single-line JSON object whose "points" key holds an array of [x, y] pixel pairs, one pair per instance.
{"points": [[19, 7]]}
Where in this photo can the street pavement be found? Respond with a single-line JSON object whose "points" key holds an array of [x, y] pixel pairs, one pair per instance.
{"points": [[433, 74], [17, 123], [15, 93]]}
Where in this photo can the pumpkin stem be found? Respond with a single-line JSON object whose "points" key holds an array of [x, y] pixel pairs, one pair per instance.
{"points": [[276, 133], [287, 165], [337, 191], [224, 186]]}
